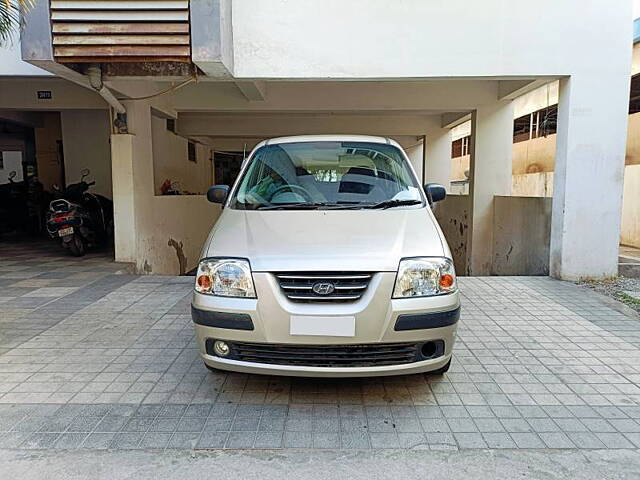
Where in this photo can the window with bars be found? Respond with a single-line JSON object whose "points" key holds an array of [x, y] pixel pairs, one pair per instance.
{"points": [[540, 123], [191, 152], [460, 147], [634, 96]]}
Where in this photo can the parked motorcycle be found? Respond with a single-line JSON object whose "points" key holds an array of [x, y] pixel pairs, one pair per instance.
{"points": [[80, 219]]}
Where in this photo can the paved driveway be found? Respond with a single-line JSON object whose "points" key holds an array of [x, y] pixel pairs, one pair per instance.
{"points": [[94, 359]]}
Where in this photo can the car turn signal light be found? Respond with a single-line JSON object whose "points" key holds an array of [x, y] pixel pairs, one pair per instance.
{"points": [[446, 281]]}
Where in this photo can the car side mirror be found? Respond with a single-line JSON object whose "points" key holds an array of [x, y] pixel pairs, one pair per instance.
{"points": [[435, 192], [218, 193]]}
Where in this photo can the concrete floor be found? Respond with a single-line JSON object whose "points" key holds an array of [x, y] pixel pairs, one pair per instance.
{"points": [[92, 359]]}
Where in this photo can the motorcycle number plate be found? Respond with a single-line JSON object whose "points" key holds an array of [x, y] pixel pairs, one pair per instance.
{"points": [[63, 232]]}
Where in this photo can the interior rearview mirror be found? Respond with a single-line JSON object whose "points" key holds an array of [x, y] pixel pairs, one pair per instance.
{"points": [[218, 193], [435, 192]]}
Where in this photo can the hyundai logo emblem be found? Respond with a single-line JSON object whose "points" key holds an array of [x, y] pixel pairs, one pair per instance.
{"points": [[323, 288]]}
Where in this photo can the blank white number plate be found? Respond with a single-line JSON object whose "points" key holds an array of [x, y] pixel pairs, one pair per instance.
{"points": [[323, 326]]}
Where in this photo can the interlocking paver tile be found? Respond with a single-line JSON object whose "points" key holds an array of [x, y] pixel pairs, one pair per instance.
{"points": [[539, 363]]}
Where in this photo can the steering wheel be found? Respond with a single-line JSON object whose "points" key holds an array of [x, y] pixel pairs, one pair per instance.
{"points": [[307, 196]]}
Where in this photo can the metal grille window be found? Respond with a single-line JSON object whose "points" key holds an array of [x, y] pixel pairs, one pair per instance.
{"points": [[634, 97], [191, 152], [540, 123], [460, 147]]}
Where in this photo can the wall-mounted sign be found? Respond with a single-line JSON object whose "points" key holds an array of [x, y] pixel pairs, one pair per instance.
{"points": [[44, 95]]}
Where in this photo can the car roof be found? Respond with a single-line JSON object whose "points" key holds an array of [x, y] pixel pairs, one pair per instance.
{"points": [[327, 138]]}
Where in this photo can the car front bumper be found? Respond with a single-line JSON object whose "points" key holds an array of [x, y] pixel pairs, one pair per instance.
{"points": [[379, 320]]}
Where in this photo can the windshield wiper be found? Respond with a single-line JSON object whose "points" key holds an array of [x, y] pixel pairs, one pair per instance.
{"points": [[392, 203], [289, 206], [310, 206]]}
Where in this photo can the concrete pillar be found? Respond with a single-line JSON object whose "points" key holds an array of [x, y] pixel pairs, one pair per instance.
{"points": [[123, 197], [490, 175], [415, 154], [437, 155], [590, 152], [132, 174]]}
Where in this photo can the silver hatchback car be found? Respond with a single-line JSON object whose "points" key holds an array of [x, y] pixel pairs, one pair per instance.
{"points": [[326, 261]]}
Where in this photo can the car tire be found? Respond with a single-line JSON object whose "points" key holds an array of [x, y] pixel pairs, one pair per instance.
{"points": [[77, 246], [442, 370]]}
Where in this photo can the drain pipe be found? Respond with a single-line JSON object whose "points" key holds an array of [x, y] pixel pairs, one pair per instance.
{"points": [[94, 73]]}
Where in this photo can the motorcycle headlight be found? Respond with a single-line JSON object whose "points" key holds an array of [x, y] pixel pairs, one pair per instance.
{"points": [[424, 277], [225, 277]]}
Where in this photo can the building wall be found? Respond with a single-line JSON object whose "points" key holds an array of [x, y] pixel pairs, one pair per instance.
{"points": [[11, 161], [170, 161], [460, 167], [85, 139], [535, 155], [522, 228], [178, 229], [452, 215], [521, 234], [47, 136], [541, 97], [630, 234], [415, 154], [532, 185], [158, 234], [633, 140], [357, 43]]}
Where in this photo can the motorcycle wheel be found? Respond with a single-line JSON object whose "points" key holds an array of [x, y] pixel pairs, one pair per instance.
{"points": [[77, 246]]}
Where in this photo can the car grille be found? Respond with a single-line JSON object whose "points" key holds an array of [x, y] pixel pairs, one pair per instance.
{"points": [[367, 355], [312, 286]]}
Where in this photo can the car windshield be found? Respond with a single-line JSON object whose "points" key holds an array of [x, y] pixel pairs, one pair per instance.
{"points": [[327, 174]]}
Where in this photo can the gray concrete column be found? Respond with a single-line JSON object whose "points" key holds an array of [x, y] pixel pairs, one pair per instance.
{"points": [[132, 174], [490, 175], [416, 156], [124, 219], [590, 152], [437, 155]]}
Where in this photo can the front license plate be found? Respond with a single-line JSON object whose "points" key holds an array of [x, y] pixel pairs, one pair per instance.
{"points": [[63, 232], [323, 326]]}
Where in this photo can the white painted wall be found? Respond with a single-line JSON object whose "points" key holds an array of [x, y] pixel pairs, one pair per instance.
{"points": [[418, 38], [85, 140], [148, 225], [11, 161], [630, 234], [414, 152], [535, 100], [170, 161]]}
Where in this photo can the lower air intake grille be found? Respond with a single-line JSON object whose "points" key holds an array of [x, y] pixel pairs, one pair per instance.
{"points": [[323, 286], [368, 355]]}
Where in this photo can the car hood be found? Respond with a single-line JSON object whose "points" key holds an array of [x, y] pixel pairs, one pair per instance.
{"points": [[325, 240]]}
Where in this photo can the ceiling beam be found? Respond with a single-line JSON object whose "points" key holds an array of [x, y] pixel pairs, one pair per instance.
{"points": [[453, 119], [511, 89], [274, 125], [253, 91]]}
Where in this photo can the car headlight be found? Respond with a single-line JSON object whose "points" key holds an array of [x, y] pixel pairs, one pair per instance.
{"points": [[424, 277], [225, 277]]}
